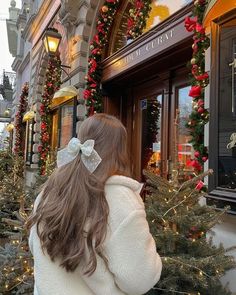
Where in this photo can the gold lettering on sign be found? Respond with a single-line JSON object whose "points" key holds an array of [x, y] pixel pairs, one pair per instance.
{"points": [[149, 47], [159, 40]]}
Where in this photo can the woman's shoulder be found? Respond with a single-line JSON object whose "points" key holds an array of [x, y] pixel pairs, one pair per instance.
{"points": [[122, 194], [123, 182]]}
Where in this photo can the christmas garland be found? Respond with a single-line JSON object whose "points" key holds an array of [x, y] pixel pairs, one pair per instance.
{"points": [[19, 128], [52, 84], [136, 24], [92, 93], [200, 79], [138, 17]]}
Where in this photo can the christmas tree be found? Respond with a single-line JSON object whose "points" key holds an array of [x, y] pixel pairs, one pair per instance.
{"points": [[16, 202], [192, 265], [16, 264]]}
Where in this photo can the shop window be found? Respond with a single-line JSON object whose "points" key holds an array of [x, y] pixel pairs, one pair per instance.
{"points": [[63, 124], [29, 141], [66, 124], [222, 142], [185, 151], [227, 109], [161, 10], [151, 133]]}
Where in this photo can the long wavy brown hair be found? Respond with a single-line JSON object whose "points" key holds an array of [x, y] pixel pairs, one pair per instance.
{"points": [[72, 214]]}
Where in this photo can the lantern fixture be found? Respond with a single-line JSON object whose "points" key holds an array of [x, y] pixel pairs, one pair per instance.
{"points": [[51, 40], [10, 127], [30, 115]]}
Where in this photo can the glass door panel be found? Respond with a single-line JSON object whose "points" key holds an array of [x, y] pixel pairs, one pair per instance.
{"points": [[151, 155], [185, 150]]}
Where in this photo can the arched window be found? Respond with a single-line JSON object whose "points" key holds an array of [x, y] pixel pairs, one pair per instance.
{"points": [[161, 10]]}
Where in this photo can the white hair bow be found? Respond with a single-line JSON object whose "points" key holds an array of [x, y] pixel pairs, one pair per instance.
{"points": [[89, 156]]}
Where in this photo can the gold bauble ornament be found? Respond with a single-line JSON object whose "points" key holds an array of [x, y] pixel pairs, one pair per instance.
{"points": [[196, 3], [6, 113], [193, 61], [105, 9]]}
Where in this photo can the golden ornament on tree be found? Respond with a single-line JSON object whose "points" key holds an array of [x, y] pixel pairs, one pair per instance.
{"points": [[193, 61], [105, 9], [7, 113]]}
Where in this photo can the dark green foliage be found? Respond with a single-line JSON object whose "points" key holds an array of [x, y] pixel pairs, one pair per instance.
{"points": [[180, 226]]}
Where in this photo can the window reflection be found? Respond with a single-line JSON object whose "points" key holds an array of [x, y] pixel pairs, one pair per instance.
{"points": [[120, 38], [66, 124], [185, 149], [162, 9], [151, 133]]}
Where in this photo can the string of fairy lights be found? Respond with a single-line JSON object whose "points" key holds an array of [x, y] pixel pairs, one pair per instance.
{"points": [[195, 233]]}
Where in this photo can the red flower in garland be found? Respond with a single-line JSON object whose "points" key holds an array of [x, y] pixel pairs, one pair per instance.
{"points": [[43, 126], [202, 77], [194, 69], [139, 4], [96, 51], [96, 39], [200, 103], [190, 23], [111, 1], [130, 23], [195, 91], [100, 28], [87, 94], [195, 164], [90, 79], [93, 65], [45, 137], [199, 28]]}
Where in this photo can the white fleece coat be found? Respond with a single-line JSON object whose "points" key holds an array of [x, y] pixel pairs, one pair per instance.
{"points": [[134, 267]]}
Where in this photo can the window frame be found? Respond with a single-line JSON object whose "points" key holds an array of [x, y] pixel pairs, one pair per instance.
{"points": [[217, 195], [29, 142], [58, 108]]}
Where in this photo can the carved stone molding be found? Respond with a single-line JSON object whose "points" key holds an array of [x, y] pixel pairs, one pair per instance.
{"points": [[68, 15]]}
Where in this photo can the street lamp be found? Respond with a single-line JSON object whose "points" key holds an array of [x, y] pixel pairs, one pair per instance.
{"points": [[51, 40]]}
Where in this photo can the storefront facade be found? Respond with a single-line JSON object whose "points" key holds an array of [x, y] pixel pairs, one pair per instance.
{"points": [[146, 85]]}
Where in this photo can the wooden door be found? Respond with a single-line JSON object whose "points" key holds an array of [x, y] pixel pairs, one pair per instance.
{"points": [[149, 129], [159, 136]]}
